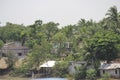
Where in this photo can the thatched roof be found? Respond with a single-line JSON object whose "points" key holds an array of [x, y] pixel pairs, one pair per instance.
{"points": [[18, 63], [3, 63]]}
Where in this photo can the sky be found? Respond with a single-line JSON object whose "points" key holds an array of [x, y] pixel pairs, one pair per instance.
{"points": [[64, 12]]}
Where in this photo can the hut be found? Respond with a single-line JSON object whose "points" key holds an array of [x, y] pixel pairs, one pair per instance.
{"points": [[46, 68], [15, 49], [112, 69]]}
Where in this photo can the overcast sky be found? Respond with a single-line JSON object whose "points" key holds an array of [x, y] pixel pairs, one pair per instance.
{"points": [[62, 11]]}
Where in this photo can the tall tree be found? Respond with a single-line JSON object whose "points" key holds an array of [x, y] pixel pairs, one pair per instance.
{"points": [[1, 44], [50, 29], [38, 55], [103, 46], [23, 36], [59, 40], [113, 17]]}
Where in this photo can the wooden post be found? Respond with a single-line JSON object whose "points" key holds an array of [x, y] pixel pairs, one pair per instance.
{"points": [[32, 74]]}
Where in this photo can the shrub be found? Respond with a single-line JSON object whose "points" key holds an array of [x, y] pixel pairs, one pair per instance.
{"points": [[106, 77], [60, 69], [21, 70], [80, 72], [91, 74]]}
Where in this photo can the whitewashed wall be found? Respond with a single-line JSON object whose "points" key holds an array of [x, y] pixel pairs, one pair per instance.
{"points": [[111, 72]]}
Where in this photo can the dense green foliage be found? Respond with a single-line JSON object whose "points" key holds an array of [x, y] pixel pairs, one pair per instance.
{"points": [[103, 44], [87, 40], [1, 44], [91, 74], [80, 72], [60, 69]]}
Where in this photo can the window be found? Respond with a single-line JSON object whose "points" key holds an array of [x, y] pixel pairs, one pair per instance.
{"points": [[103, 71], [82, 64], [3, 55], [116, 71], [19, 54]]}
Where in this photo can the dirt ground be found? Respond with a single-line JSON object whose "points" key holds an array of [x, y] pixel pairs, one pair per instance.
{"points": [[6, 77]]}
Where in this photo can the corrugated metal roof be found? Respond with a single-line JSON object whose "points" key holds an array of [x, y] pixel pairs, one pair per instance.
{"points": [[110, 66], [48, 64]]}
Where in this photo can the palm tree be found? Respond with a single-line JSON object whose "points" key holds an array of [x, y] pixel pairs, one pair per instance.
{"points": [[113, 17], [82, 23]]}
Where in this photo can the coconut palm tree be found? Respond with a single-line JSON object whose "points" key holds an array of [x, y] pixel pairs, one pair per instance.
{"points": [[113, 19]]}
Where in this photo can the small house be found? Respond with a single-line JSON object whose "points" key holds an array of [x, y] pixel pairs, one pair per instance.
{"points": [[46, 68], [15, 49], [112, 69]]}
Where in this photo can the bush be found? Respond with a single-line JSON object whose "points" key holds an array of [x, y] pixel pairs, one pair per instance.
{"points": [[91, 74], [60, 69], [80, 72], [21, 70], [106, 77]]}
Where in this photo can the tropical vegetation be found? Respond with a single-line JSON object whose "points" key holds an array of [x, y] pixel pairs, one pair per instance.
{"points": [[87, 40]]}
